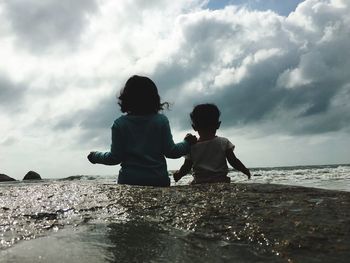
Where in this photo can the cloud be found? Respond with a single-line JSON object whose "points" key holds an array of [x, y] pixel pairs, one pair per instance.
{"points": [[41, 25], [93, 123], [8, 141], [286, 75], [11, 95], [260, 67]]}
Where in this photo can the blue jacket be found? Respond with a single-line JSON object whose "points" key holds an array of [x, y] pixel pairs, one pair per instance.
{"points": [[140, 144]]}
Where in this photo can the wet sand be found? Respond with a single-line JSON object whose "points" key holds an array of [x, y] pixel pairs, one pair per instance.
{"points": [[283, 223]]}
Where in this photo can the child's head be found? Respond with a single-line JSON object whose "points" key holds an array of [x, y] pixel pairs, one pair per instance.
{"points": [[205, 117], [140, 96]]}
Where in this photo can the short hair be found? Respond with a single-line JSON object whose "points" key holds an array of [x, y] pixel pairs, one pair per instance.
{"points": [[140, 96], [205, 115]]}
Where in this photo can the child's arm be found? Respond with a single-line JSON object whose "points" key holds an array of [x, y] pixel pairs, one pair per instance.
{"points": [[175, 150], [185, 169], [114, 156], [236, 163]]}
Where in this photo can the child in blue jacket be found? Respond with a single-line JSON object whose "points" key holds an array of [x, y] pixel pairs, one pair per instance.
{"points": [[141, 139]]}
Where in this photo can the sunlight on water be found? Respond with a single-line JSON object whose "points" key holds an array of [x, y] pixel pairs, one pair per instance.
{"points": [[131, 241]]}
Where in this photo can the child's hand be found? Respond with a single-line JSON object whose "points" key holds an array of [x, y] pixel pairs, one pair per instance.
{"points": [[191, 139], [248, 174], [91, 157], [177, 176]]}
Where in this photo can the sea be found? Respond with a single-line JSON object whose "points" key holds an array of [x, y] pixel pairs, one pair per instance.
{"points": [[88, 218], [331, 177]]}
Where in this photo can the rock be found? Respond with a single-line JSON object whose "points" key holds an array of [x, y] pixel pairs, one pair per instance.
{"points": [[5, 178], [277, 223], [31, 175]]}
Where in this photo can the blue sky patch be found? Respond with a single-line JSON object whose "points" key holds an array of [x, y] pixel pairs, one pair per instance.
{"points": [[282, 7]]}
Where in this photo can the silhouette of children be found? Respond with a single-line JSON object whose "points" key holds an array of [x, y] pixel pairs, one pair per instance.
{"points": [[208, 156], [141, 139]]}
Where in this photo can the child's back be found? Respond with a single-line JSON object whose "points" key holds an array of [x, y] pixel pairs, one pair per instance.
{"points": [[209, 160], [146, 142]]}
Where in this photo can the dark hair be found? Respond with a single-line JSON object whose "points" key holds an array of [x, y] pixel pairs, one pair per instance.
{"points": [[140, 96], [205, 116]]}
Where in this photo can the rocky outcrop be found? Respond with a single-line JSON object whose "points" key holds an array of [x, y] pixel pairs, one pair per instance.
{"points": [[5, 178], [31, 175], [262, 222]]}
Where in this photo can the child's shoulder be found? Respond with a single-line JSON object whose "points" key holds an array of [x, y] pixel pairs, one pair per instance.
{"points": [[160, 117], [221, 139], [120, 119], [225, 142], [126, 118], [120, 122]]}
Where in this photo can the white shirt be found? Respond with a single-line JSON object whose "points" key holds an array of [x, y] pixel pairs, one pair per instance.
{"points": [[209, 158]]}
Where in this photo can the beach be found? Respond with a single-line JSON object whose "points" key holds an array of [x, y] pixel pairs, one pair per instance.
{"points": [[100, 221]]}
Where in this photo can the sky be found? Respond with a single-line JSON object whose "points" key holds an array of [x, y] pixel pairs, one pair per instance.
{"points": [[278, 70]]}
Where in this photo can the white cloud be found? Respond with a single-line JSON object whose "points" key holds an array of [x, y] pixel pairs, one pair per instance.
{"points": [[41, 25]]}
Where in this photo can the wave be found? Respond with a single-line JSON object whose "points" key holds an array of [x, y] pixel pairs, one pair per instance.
{"points": [[86, 177]]}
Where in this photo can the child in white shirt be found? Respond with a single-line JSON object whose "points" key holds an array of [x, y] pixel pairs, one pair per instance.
{"points": [[208, 156]]}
